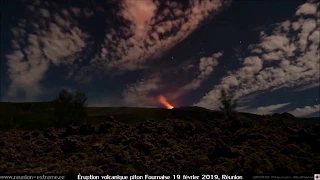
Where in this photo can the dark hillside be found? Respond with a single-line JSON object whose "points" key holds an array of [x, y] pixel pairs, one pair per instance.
{"points": [[39, 115], [180, 140]]}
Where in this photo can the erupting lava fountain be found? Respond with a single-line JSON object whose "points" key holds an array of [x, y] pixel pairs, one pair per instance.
{"points": [[162, 100]]}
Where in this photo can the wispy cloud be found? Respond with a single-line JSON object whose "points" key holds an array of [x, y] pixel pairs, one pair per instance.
{"points": [[305, 110], [263, 109], [286, 57], [206, 67], [138, 94], [314, 85]]}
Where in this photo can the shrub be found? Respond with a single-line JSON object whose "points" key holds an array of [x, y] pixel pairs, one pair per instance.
{"points": [[80, 104], [70, 108], [228, 103]]}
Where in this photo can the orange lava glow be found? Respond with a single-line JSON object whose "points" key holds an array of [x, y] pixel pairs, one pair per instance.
{"points": [[162, 100]]}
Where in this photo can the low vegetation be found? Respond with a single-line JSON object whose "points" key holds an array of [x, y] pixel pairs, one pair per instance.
{"points": [[66, 109], [228, 103], [70, 109]]}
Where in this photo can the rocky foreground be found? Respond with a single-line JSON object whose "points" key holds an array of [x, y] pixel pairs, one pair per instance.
{"points": [[169, 146]]}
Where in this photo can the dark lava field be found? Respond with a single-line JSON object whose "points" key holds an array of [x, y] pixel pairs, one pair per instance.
{"points": [[262, 146]]}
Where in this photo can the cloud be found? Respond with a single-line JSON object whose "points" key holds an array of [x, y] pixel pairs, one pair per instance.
{"points": [[240, 108], [139, 14], [286, 57], [151, 31], [206, 66], [38, 44], [138, 94], [247, 98], [307, 9], [142, 92], [263, 109], [207, 63], [53, 36], [311, 86], [305, 110]]}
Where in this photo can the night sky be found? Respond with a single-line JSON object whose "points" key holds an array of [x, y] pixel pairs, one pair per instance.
{"points": [[129, 52]]}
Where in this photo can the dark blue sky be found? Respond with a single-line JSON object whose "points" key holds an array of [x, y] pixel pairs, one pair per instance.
{"points": [[127, 53]]}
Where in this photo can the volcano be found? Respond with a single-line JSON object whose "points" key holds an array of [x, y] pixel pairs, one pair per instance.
{"points": [[162, 100]]}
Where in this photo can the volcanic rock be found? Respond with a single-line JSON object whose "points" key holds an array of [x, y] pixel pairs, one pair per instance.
{"points": [[168, 145], [26, 136], [110, 119], [2, 143], [145, 147], [35, 134], [87, 129], [105, 127], [283, 115], [71, 130], [151, 120], [70, 145], [50, 134], [97, 147]]}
